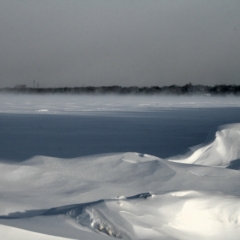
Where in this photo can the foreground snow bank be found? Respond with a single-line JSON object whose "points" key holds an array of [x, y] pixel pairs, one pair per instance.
{"points": [[173, 215], [223, 151]]}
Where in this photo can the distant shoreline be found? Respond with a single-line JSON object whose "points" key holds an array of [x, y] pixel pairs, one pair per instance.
{"points": [[188, 89]]}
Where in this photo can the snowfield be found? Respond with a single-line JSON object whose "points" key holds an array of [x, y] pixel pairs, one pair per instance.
{"points": [[87, 104], [123, 195]]}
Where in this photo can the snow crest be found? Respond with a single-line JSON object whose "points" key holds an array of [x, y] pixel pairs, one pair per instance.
{"points": [[173, 215], [223, 151]]}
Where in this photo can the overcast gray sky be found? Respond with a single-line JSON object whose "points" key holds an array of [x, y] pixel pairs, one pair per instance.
{"points": [[61, 43]]}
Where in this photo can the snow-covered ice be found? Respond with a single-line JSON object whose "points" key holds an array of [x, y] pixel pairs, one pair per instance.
{"points": [[87, 104], [123, 195]]}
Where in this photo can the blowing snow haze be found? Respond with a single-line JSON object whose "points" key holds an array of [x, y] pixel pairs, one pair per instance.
{"points": [[142, 43]]}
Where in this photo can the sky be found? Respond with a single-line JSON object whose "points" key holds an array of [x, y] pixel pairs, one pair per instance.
{"points": [[78, 43]]}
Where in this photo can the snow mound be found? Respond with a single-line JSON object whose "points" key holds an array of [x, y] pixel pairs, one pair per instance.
{"points": [[173, 215], [223, 151], [46, 182], [42, 182]]}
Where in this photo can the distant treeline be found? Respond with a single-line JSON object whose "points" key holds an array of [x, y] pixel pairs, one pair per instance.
{"points": [[188, 89]]}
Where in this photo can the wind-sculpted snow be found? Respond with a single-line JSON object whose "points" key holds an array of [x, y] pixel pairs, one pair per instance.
{"points": [[78, 180], [126, 195], [172, 215], [223, 151]]}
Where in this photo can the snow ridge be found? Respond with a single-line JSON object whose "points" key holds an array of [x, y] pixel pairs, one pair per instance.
{"points": [[223, 151]]}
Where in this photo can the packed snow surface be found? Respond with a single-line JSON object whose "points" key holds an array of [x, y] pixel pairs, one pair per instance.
{"points": [[125, 195]]}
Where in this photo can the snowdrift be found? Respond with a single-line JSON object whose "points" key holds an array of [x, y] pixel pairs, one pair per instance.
{"points": [[173, 215], [126, 195], [223, 151]]}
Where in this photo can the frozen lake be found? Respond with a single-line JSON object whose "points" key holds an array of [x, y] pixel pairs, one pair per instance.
{"points": [[160, 132]]}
